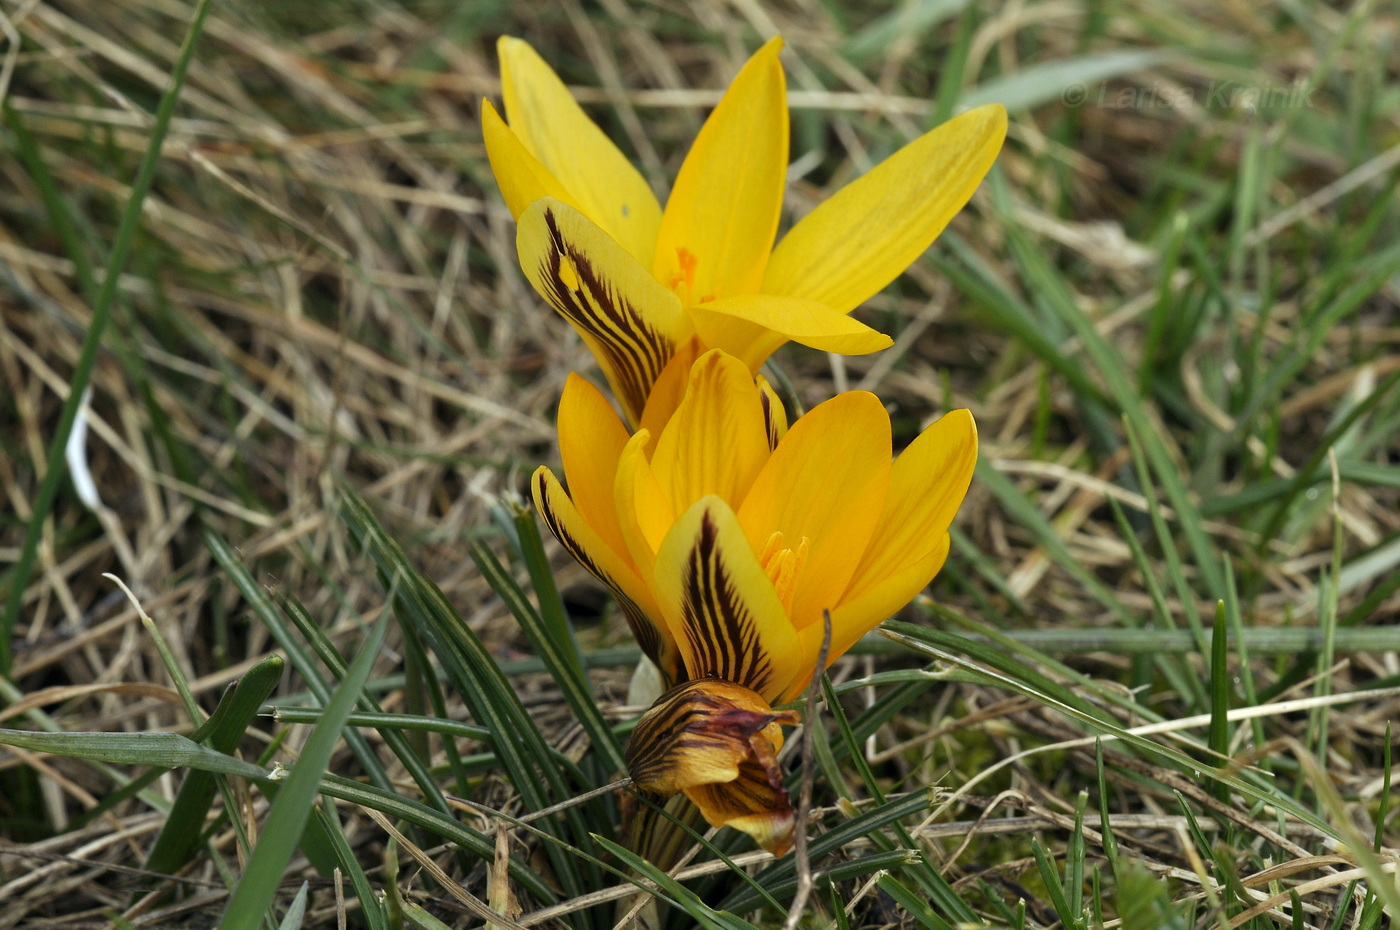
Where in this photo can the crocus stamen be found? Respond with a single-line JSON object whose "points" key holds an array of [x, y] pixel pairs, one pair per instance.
{"points": [[683, 281], [783, 564]]}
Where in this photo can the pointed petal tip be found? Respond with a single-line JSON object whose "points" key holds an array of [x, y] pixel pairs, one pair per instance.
{"points": [[961, 421], [992, 118]]}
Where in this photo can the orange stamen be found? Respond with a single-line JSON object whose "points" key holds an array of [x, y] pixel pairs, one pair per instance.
{"points": [[686, 276], [783, 565]]}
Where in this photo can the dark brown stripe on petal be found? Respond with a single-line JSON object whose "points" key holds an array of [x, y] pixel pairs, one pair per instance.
{"points": [[635, 352], [770, 423], [719, 627], [642, 626]]}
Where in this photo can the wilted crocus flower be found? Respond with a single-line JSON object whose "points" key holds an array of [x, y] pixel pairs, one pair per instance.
{"points": [[641, 284]]}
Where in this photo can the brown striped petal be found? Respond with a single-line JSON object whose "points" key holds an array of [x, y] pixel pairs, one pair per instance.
{"points": [[612, 568], [717, 742], [720, 604], [628, 320], [775, 422]]}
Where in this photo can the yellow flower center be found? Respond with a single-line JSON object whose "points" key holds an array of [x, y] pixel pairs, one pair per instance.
{"points": [[783, 564]]}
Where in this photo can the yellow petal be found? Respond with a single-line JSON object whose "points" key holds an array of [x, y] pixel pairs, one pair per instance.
{"points": [[910, 543], [591, 438], [826, 482], [670, 387], [859, 240], [716, 441], [643, 510], [520, 176], [554, 129], [610, 567], [751, 326], [718, 743], [719, 224], [631, 324], [720, 606], [854, 618], [927, 486]]}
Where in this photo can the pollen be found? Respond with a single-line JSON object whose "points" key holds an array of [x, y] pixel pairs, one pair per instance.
{"points": [[783, 565]]}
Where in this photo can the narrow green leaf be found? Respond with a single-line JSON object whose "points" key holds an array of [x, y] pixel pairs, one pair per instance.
{"points": [[915, 637], [297, 912], [443, 825], [525, 755], [559, 651], [292, 807], [182, 829], [1218, 738], [1054, 884], [54, 469], [164, 750], [350, 866]]}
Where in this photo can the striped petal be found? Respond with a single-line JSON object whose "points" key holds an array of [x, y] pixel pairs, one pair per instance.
{"points": [[610, 567], [826, 482], [755, 803], [775, 422], [720, 221], [699, 732], [867, 233], [631, 323], [752, 326], [719, 604], [718, 743], [716, 441], [556, 131]]}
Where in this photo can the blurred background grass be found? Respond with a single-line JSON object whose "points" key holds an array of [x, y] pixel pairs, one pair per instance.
{"points": [[1172, 309]]}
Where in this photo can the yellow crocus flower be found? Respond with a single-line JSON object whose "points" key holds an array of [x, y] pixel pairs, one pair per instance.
{"points": [[725, 538], [640, 284]]}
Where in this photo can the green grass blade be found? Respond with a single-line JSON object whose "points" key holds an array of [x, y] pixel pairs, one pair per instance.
{"points": [[296, 913], [559, 654], [677, 894], [524, 754], [54, 469], [163, 750], [1054, 884], [292, 807], [443, 825], [921, 640], [350, 866], [552, 613], [1218, 737], [180, 835], [302, 660]]}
